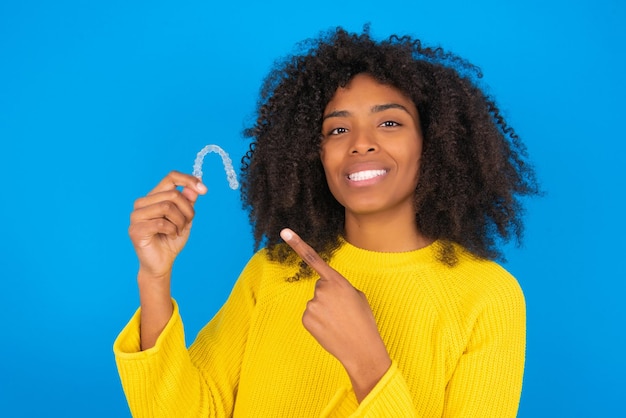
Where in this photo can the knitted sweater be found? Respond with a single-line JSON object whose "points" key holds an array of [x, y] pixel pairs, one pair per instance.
{"points": [[456, 337]]}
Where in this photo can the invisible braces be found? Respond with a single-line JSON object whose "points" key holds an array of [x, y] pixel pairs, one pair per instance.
{"points": [[228, 164]]}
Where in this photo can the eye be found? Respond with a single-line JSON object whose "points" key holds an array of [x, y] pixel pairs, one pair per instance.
{"points": [[389, 124], [337, 131]]}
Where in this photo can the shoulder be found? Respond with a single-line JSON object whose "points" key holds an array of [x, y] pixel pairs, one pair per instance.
{"points": [[262, 274], [484, 283], [262, 263]]}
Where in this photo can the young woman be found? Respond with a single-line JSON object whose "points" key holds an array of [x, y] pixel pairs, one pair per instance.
{"points": [[379, 180]]}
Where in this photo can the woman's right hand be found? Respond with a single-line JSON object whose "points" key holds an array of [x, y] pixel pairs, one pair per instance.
{"points": [[161, 221]]}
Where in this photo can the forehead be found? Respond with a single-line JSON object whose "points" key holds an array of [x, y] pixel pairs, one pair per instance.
{"points": [[364, 91]]}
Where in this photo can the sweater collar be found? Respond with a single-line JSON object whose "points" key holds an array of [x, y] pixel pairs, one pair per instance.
{"points": [[348, 253]]}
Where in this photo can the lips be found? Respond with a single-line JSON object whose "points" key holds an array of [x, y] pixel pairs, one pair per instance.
{"points": [[366, 175]]}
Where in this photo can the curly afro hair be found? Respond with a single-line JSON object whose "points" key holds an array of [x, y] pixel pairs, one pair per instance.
{"points": [[474, 168]]}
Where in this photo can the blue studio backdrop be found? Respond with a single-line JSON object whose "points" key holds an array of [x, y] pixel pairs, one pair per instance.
{"points": [[99, 100]]}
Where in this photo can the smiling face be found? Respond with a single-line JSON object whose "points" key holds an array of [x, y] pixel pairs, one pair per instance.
{"points": [[371, 148]]}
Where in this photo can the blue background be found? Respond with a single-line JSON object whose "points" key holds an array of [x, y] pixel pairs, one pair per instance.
{"points": [[99, 100]]}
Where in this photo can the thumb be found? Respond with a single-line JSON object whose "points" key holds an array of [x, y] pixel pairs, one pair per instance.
{"points": [[192, 193]]}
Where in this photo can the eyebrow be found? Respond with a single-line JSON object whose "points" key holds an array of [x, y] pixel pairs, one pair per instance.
{"points": [[374, 109]]}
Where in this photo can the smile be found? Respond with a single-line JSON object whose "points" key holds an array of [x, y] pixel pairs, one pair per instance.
{"points": [[366, 175]]}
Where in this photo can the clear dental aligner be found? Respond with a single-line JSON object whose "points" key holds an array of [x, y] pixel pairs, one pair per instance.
{"points": [[228, 164]]}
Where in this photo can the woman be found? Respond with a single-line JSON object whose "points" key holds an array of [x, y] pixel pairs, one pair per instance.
{"points": [[379, 180]]}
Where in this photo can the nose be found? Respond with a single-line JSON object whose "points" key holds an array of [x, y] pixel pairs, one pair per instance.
{"points": [[363, 142]]}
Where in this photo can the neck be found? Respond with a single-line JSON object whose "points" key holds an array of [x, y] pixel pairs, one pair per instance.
{"points": [[384, 233]]}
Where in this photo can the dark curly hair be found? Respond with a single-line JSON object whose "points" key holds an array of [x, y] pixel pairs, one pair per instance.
{"points": [[473, 171]]}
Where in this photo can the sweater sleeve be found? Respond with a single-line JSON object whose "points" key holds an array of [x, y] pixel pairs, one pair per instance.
{"points": [[168, 380], [487, 380], [389, 398]]}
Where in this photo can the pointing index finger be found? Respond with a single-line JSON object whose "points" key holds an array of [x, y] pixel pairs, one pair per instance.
{"points": [[307, 253]]}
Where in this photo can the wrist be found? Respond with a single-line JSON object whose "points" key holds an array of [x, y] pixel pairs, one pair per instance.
{"points": [[365, 374], [154, 291], [156, 306], [150, 279]]}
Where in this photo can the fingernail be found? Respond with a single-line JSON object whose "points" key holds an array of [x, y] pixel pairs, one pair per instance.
{"points": [[201, 188], [286, 234]]}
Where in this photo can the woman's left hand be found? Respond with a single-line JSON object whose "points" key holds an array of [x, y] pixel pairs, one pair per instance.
{"points": [[341, 320]]}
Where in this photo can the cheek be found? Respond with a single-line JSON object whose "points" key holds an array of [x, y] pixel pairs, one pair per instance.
{"points": [[408, 153], [326, 164], [324, 161], [415, 161], [332, 173], [329, 160]]}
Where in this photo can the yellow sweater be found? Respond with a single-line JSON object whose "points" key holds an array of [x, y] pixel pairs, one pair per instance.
{"points": [[456, 337]]}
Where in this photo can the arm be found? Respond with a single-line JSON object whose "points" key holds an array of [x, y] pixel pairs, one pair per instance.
{"points": [[487, 381], [159, 229], [341, 320], [159, 376], [168, 380]]}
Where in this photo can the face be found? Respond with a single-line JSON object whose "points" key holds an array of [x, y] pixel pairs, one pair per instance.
{"points": [[371, 147]]}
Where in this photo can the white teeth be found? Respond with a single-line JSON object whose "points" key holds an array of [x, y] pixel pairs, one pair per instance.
{"points": [[366, 175]]}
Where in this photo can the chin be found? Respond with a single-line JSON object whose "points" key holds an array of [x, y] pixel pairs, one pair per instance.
{"points": [[364, 208]]}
